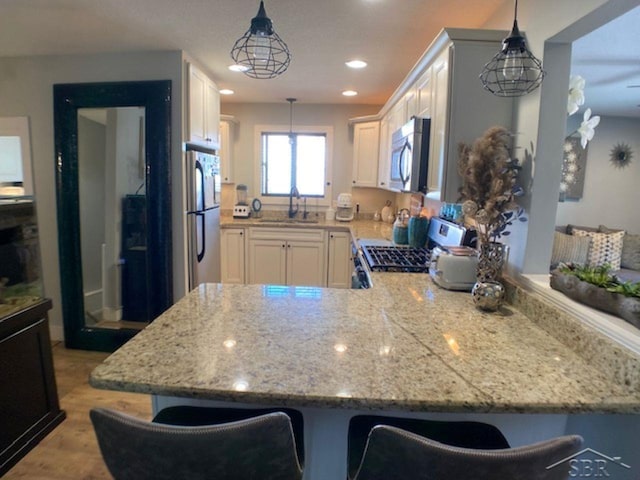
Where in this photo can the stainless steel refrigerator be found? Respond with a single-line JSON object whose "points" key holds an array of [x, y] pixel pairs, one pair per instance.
{"points": [[203, 216]]}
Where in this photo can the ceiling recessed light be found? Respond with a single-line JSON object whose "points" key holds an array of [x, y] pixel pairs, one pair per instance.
{"points": [[349, 93], [356, 64], [238, 68], [226, 91]]}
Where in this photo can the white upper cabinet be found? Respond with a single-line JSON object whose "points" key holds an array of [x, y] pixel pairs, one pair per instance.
{"points": [[439, 82], [226, 150], [423, 94], [204, 110], [384, 158], [366, 142], [462, 109], [444, 86], [410, 102]]}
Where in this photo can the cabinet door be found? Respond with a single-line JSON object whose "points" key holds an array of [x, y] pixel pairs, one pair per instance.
{"points": [[423, 100], [225, 151], [396, 118], [204, 109], [366, 139], [410, 103], [384, 157], [232, 264], [306, 264], [439, 120], [267, 262], [212, 115], [340, 264], [197, 95]]}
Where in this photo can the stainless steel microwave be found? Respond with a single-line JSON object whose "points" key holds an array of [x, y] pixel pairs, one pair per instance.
{"points": [[410, 156]]}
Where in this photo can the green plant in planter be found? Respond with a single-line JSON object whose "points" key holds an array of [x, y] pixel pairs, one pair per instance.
{"points": [[601, 276], [628, 289]]}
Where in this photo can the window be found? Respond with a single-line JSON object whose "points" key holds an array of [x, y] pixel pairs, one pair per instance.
{"points": [[299, 160]]}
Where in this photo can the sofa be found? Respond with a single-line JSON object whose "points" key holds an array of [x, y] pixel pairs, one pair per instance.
{"points": [[597, 246]]}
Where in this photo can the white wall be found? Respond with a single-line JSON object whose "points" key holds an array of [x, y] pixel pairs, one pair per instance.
{"points": [[247, 115], [550, 27], [610, 194], [26, 89]]}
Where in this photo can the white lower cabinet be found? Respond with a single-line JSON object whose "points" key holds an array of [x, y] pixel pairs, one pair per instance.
{"points": [[340, 264], [232, 248], [287, 257], [306, 263], [268, 261]]}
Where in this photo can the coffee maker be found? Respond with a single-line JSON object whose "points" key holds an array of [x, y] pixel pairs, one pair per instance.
{"points": [[344, 208], [241, 209]]}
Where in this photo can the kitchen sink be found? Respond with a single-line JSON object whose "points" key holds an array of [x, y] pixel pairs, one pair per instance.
{"points": [[287, 220]]}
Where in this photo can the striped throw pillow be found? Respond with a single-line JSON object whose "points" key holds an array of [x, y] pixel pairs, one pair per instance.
{"points": [[569, 249]]}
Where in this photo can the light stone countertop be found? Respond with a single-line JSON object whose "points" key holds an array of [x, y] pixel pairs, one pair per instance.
{"points": [[404, 344], [359, 229]]}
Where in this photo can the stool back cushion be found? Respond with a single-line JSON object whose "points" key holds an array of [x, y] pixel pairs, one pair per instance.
{"points": [[258, 448], [394, 454]]}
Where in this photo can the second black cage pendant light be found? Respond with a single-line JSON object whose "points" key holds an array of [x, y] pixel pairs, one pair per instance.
{"points": [[514, 71], [260, 52]]}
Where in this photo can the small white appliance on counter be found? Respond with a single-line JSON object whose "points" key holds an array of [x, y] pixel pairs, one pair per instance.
{"points": [[454, 268], [344, 208], [241, 209]]}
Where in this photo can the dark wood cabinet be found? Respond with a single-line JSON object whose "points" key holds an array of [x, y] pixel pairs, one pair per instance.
{"points": [[28, 395]]}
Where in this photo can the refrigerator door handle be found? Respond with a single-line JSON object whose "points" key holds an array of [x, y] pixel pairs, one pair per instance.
{"points": [[200, 216], [200, 203]]}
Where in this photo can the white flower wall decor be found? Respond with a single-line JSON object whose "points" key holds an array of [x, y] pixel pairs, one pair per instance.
{"points": [[587, 128], [574, 156], [573, 167], [576, 94]]}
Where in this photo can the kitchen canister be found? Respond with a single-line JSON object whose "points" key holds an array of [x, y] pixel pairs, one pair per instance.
{"points": [[401, 228], [400, 234], [330, 214], [418, 229]]}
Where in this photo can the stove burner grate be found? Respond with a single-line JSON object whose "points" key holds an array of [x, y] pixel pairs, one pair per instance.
{"points": [[396, 258]]}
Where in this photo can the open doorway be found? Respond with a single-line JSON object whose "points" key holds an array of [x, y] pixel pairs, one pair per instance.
{"points": [[604, 51]]}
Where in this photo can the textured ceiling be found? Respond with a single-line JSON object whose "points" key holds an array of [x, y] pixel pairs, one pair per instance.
{"points": [[322, 35]]}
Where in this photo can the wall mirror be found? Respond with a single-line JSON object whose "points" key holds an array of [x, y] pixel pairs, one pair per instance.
{"points": [[113, 177]]}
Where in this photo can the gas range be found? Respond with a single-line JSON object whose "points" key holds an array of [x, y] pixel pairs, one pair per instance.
{"points": [[384, 256], [396, 258]]}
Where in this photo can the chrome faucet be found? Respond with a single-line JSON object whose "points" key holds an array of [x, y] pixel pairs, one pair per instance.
{"points": [[296, 193]]}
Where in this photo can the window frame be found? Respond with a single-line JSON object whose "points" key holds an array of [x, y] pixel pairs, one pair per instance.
{"points": [[327, 131]]}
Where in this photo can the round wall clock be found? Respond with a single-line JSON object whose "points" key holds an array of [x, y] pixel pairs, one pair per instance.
{"points": [[621, 155]]}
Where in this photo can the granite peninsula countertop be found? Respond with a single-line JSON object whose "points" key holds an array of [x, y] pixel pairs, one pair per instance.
{"points": [[404, 344]]}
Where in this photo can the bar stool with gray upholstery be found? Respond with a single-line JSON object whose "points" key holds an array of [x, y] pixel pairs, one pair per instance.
{"points": [[395, 454], [261, 448]]}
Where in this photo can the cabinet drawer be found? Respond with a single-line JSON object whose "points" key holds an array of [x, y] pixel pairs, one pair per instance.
{"points": [[298, 234]]}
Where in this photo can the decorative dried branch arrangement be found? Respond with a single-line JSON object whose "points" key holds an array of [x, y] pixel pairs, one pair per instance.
{"points": [[489, 184]]}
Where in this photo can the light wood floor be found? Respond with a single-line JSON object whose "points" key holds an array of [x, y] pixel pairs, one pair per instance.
{"points": [[71, 452]]}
